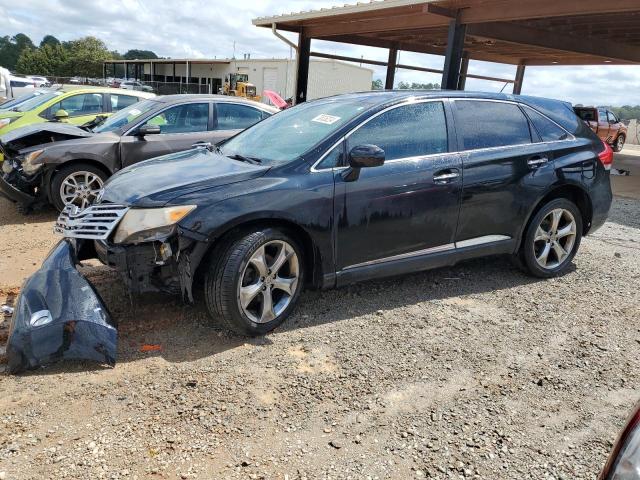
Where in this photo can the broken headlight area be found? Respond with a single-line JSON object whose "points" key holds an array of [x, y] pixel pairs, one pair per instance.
{"points": [[59, 315], [19, 186]]}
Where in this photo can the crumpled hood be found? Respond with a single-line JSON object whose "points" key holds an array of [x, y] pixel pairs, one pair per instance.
{"points": [[65, 130], [155, 182]]}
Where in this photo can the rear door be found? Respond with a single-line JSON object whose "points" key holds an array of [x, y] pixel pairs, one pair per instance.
{"points": [[408, 206], [505, 167], [181, 126]]}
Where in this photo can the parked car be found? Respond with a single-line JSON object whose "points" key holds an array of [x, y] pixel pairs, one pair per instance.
{"points": [[135, 85], [11, 104], [605, 124], [64, 164], [76, 106], [322, 195], [624, 460], [20, 85], [40, 82]]}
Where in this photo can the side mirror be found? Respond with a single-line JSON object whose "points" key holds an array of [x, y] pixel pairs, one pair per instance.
{"points": [[365, 156], [61, 115], [149, 130]]}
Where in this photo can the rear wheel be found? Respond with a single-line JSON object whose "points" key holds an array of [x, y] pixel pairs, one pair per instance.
{"points": [[77, 184], [552, 239], [619, 143], [254, 281]]}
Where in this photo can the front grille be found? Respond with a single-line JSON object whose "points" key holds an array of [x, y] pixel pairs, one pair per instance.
{"points": [[95, 222]]}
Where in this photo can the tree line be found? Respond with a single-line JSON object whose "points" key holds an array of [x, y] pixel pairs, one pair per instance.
{"points": [[82, 57], [378, 84]]}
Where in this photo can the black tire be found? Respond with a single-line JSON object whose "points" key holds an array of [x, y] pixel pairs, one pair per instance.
{"points": [[526, 257], [226, 269], [618, 145], [66, 171]]}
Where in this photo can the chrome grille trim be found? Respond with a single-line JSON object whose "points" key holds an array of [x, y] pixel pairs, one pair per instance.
{"points": [[94, 223]]}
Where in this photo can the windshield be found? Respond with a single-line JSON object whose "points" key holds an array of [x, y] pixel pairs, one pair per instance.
{"points": [[125, 116], [35, 102], [21, 99], [288, 135]]}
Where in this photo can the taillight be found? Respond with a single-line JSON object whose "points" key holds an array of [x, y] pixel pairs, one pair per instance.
{"points": [[606, 156]]}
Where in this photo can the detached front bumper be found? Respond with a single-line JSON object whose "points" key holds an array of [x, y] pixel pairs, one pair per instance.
{"points": [[59, 315]]}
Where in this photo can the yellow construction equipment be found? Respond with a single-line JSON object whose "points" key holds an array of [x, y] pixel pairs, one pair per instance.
{"points": [[237, 85]]}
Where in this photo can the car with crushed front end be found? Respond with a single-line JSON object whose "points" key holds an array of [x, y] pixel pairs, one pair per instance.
{"points": [[327, 193], [63, 164]]}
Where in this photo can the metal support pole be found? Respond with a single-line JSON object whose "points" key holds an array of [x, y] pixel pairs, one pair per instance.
{"points": [[453, 58], [391, 68], [464, 67], [517, 85], [302, 68]]}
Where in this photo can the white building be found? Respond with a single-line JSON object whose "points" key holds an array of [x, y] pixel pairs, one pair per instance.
{"points": [[326, 77]]}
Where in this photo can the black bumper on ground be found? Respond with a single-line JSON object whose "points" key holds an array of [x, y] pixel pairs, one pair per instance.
{"points": [[15, 195], [59, 315]]}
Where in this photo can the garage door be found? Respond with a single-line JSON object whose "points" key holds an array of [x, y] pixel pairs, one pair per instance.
{"points": [[270, 79]]}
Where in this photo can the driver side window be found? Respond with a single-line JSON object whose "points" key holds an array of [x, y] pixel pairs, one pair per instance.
{"points": [[192, 117]]}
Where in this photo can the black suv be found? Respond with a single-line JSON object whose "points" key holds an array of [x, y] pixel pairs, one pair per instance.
{"points": [[328, 193]]}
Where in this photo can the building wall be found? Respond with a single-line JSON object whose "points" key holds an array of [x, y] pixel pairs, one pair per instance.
{"points": [[326, 77]]}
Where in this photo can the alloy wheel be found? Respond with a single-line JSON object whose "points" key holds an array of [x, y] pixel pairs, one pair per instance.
{"points": [[555, 238], [269, 281], [80, 189], [620, 143]]}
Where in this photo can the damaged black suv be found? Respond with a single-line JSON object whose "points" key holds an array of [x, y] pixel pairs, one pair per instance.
{"points": [[324, 194]]}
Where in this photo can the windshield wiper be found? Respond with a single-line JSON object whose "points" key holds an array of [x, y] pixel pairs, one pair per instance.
{"points": [[242, 158]]}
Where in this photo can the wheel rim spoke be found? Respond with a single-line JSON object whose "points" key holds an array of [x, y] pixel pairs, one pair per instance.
{"points": [[248, 293], [544, 255], [560, 252], [287, 285], [566, 231], [555, 221], [283, 256], [259, 261], [267, 307], [541, 235]]}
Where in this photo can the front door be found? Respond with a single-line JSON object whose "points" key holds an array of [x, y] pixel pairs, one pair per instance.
{"points": [[181, 126], [603, 125], [408, 206]]}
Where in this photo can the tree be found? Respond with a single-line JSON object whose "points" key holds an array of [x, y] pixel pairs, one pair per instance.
{"points": [[49, 40], [85, 57], [11, 48], [377, 84], [139, 55], [46, 60]]}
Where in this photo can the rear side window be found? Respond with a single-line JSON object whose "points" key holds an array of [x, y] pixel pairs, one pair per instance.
{"points": [[548, 131], [236, 117], [408, 131], [490, 124], [118, 102]]}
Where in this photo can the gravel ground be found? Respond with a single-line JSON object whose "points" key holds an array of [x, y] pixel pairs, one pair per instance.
{"points": [[475, 371]]}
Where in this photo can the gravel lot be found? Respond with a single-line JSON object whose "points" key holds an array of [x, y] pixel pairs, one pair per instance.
{"points": [[475, 371]]}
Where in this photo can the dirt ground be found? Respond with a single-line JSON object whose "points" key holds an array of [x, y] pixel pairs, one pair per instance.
{"points": [[475, 371]]}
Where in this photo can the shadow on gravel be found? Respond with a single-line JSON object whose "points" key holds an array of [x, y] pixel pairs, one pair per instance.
{"points": [[183, 333], [626, 212], [9, 214]]}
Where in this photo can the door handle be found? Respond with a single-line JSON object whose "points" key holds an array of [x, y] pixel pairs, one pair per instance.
{"points": [[445, 176], [535, 162]]}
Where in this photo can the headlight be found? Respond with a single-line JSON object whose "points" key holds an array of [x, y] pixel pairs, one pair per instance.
{"points": [[30, 165], [6, 121], [149, 224]]}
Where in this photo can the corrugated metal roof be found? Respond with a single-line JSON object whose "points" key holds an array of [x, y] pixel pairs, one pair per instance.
{"points": [[343, 10]]}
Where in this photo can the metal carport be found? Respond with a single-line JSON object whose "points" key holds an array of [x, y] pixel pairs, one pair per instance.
{"points": [[518, 32]]}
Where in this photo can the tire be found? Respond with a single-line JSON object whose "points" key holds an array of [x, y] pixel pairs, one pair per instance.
{"points": [[618, 145], [560, 244], [235, 272], [85, 197]]}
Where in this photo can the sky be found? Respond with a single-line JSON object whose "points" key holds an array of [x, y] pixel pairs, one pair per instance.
{"points": [[220, 28]]}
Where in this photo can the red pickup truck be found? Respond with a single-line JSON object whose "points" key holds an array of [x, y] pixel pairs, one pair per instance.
{"points": [[605, 124]]}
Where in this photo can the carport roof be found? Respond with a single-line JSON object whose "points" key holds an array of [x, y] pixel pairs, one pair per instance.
{"points": [[523, 32]]}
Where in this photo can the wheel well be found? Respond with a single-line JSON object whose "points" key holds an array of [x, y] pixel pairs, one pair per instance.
{"points": [[570, 192], [311, 255]]}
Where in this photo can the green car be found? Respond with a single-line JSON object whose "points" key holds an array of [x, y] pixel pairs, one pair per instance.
{"points": [[73, 105]]}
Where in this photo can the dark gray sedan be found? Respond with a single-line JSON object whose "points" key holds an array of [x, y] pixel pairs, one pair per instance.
{"points": [[62, 164]]}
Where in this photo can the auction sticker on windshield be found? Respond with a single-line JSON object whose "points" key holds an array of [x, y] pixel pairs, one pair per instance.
{"points": [[326, 119]]}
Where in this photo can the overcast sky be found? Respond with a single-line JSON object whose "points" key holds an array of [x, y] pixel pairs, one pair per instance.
{"points": [[209, 28]]}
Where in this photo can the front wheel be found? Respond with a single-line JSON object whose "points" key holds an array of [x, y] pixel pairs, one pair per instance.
{"points": [[254, 281], [619, 143], [552, 239], [77, 184]]}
